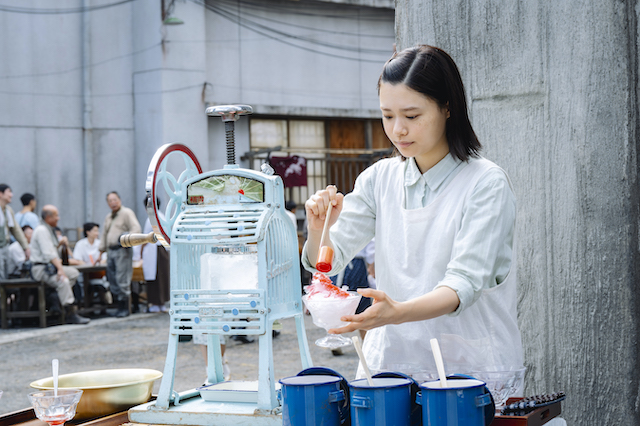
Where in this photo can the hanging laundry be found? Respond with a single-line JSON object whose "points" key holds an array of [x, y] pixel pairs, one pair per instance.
{"points": [[292, 170]]}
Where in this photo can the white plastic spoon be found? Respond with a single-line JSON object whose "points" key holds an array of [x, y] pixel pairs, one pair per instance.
{"points": [[54, 365], [358, 346], [435, 348]]}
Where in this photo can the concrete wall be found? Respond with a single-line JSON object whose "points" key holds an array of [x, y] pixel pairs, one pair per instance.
{"points": [[41, 106], [330, 69], [148, 85], [553, 96]]}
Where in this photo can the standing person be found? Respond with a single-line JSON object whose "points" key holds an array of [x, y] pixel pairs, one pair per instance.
{"points": [[121, 220], [27, 215], [155, 266], [443, 219], [290, 209], [47, 265], [8, 227]]}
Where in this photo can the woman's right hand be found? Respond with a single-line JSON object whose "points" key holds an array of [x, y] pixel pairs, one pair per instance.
{"points": [[317, 205], [316, 209]]}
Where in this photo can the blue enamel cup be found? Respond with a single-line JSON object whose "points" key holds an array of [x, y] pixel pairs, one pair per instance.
{"points": [[343, 407], [387, 403], [416, 410], [465, 401], [311, 400]]}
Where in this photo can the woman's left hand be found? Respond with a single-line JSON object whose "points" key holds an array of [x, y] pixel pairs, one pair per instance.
{"points": [[384, 310]]}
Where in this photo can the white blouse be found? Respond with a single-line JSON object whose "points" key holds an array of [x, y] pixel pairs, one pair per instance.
{"points": [[482, 250]]}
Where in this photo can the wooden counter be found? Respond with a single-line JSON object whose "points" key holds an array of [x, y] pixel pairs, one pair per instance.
{"points": [[27, 417]]}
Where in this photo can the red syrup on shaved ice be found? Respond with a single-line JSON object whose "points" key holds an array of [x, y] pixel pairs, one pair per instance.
{"points": [[321, 286]]}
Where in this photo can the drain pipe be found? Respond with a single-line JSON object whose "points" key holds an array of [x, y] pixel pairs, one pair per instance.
{"points": [[87, 126]]}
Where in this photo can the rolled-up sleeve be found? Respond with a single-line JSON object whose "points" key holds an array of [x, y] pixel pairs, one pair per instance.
{"points": [[355, 226], [482, 250]]}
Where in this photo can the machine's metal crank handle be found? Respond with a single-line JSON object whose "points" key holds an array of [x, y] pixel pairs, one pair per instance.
{"points": [[130, 240]]}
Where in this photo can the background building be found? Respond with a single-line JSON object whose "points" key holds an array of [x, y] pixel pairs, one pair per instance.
{"points": [[89, 89]]}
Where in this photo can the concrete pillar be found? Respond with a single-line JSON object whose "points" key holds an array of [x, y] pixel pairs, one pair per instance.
{"points": [[147, 93], [553, 92], [168, 88]]}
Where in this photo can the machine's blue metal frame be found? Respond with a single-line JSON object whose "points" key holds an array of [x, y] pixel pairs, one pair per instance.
{"points": [[196, 230]]}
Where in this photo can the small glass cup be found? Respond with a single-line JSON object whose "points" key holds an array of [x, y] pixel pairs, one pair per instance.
{"points": [[55, 409], [326, 313]]}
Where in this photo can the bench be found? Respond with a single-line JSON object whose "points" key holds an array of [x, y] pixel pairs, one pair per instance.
{"points": [[22, 310]]}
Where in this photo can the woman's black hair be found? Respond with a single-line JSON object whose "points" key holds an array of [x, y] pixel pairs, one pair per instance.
{"points": [[88, 227], [431, 71]]}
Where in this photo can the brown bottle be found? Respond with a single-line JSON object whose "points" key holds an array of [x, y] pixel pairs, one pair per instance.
{"points": [[64, 254]]}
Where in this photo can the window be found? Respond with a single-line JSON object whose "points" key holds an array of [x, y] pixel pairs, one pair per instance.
{"points": [[336, 150], [304, 138]]}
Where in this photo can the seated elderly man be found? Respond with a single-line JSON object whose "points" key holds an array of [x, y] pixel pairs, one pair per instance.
{"points": [[47, 265]]}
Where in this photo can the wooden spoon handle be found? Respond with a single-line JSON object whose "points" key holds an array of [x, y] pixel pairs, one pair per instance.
{"points": [[326, 225]]}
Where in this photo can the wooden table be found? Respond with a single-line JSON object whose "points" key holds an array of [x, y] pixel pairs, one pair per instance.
{"points": [[86, 271], [23, 311]]}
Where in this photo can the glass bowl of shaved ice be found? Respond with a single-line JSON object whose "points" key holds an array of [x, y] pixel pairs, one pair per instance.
{"points": [[327, 304]]}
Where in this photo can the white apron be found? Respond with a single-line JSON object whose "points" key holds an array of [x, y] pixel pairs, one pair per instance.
{"points": [[418, 243]]}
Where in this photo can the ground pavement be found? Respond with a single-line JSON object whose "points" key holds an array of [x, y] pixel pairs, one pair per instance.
{"points": [[140, 341]]}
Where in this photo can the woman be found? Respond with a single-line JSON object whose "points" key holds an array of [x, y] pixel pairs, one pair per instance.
{"points": [[443, 219], [87, 249], [155, 266]]}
